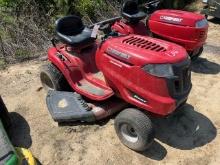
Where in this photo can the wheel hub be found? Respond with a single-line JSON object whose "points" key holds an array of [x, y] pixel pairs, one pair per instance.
{"points": [[129, 133], [47, 82]]}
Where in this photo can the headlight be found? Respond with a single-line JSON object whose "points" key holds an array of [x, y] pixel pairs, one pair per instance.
{"points": [[159, 70], [202, 23]]}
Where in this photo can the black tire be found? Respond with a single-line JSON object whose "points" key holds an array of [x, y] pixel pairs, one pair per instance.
{"points": [[4, 115], [134, 129], [52, 79], [196, 56]]}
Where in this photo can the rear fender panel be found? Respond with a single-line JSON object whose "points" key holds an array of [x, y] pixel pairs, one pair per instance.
{"points": [[179, 27]]}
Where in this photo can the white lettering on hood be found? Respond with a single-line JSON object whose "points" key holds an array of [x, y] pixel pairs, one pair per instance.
{"points": [[171, 19]]}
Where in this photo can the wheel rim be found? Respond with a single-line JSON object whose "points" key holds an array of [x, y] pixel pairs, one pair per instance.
{"points": [[129, 133], [47, 82]]}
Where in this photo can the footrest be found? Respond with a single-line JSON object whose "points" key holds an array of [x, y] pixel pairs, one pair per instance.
{"points": [[92, 90], [68, 107]]}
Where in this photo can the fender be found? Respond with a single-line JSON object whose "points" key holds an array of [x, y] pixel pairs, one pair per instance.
{"points": [[125, 29], [55, 60]]}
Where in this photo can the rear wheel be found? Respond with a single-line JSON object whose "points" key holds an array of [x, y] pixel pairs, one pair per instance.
{"points": [[134, 129], [52, 79]]}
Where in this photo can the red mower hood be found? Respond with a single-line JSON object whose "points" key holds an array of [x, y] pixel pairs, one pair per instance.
{"points": [[178, 17], [141, 50]]}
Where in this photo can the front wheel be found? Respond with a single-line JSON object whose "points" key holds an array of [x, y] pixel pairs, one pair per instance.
{"points": [[134, 129], [196, 54]]}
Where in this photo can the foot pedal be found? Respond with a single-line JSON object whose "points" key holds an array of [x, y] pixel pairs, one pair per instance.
{"points": [[68, 107]]}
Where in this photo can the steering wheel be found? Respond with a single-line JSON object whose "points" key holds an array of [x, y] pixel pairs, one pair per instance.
{"points": [[152, 5]]}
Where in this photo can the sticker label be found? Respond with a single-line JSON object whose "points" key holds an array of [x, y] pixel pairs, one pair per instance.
{"points": [[172, 53], [95, 31], [117, 53]]}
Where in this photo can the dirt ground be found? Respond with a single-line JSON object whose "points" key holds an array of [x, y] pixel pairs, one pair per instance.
{"points": [[190, 138]]}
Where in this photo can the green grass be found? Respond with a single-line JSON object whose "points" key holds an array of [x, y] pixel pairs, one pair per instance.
{"points": [[6, 17]]}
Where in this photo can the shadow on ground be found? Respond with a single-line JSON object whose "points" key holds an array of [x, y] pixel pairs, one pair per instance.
{"points": [[214, 20], [155, 152], [78, 123], [38, 162], [202, 65], [185, 130], [19, 132]]}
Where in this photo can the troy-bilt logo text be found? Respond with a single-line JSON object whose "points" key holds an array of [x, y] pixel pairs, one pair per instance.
{"points": [[171, 19], [117, 53]]}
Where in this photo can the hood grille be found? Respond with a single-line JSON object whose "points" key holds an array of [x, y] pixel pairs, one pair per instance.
{"points": [[144, 44]]}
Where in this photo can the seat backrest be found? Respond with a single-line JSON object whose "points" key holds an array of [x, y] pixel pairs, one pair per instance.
{"points": [[130, 7], [69, 25], [131, 13]]}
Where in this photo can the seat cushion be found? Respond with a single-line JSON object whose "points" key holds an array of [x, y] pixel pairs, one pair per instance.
{"points": [[134, 17], [71, 31], [82, 38]]}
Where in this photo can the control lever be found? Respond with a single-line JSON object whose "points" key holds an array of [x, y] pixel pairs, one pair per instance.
{"points": [[95, 31]]}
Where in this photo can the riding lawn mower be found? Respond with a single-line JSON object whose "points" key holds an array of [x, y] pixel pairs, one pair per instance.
{"points": [[133, 76], [184, 28]]}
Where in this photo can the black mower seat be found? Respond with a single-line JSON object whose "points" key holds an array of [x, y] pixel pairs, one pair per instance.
{"points": [[131, 13], [71, 30]]}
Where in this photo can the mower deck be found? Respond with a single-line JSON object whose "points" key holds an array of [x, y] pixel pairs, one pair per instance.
{"points": [[70, 107], [67, 107]]}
